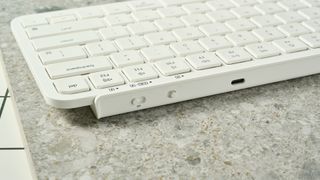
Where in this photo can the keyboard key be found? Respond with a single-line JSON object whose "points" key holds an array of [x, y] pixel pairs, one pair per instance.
{"points": [[142, 28], [140, 73], [313, 25], [290, 45], [245, 12], [116, 8], [245, 2], [290, 17], [65, 40], [114, 32], [72, 85], [127, 58], [313, 40], [33, 21], [234, 55], [188, 33], [144, 4], [214, 43], [79, 67], [173, 66], [240, 25], [195, 19], [220, 4], [311, 13], [64, 18], [63, 28], [221, 16], [90, 12], [196, 8], [157, 53], [101, 48], [106, 79], [160, 38], [290, 5], [266, 20], [133, 42], [167, 24], [171, 12], [312, 3], [204, 61], [147, 15], [214, 29], [242, 38], [177, 2], [263, 50], [294, 29], [119, 19], [62, 54], [269, 8], [186, 48], [268, 34]]}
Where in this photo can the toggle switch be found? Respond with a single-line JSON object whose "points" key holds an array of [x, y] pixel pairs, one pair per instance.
{"points": [[138, 101]]}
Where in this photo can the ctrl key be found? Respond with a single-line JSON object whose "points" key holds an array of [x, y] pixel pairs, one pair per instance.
{"points": [[71, 85]]}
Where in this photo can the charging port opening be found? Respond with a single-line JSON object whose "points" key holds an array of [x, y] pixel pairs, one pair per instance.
{"points": [[238, 81]]}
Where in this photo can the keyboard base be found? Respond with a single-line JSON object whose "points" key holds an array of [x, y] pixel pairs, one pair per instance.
{"points": [[108, 105]]}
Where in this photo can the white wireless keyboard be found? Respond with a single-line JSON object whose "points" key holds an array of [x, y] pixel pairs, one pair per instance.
{"points": [[133, 55]]}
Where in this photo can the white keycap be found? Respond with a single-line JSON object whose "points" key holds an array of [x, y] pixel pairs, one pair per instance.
{"points": [[290, 45], [144, 4], [115, 32], [245, 2], [290, 17], [63, 28], [204, 61], [72, 85], [33, 21], [245, 12], [160, 38], [291, 4], [171, 11], [142, 28], [166, 24], [196, 8], [195, 19], [240, 25], [186, 48], [64, 18], [147, 15], [268, 34], [313, 25], [214, 29], [266, 20], [106, 79], [79, 67], [312, 3], [173, 66], [133, 42], [234, 55], [127, 58], [269, 8], [101, 48], [90, 12], [157, 53], [188, 33], [221, 16], [66, 40], [313, 40], [178, 2], [294, 29], [214, 43], [140, 72], [119, 19], [263, 50], [242, 38], [311, 13], [62, 54], [116, 8], [220, 4]]}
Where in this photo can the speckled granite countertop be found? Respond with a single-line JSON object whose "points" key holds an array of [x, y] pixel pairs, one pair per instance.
{"points": [[269, 132]]}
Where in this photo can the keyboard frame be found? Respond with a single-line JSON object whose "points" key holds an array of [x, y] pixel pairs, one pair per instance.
{"points": [[112, 101]]}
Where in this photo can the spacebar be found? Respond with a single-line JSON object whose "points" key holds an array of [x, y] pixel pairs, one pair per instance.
{"points": [[65, 40]]}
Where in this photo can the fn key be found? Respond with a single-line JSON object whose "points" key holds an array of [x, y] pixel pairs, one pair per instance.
{"points": [[72, 85]]}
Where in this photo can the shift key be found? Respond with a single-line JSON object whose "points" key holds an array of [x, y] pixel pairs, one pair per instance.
{"points": [[65, 40], [79, 67]]}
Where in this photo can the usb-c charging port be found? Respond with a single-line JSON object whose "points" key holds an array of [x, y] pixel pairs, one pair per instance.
{"points": [[238, 81]]}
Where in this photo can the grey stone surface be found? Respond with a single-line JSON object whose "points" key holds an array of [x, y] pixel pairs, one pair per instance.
{"points": [[269, 132]]}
